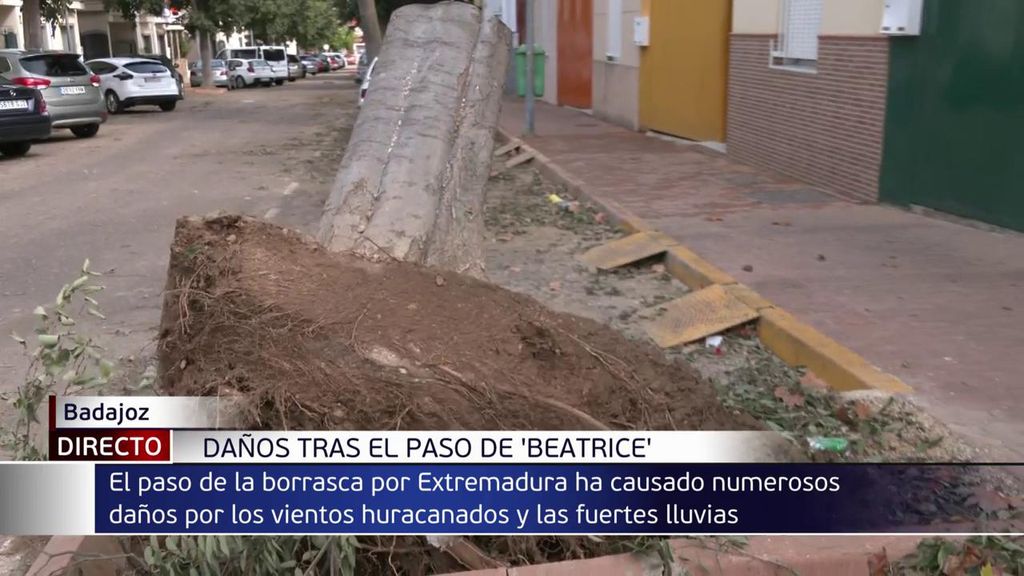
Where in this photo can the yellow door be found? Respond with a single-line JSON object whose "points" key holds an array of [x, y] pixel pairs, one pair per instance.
{"points": [[684, 71]]}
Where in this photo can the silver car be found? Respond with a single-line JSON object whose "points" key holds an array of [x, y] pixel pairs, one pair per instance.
{"points": [[71, 90]]}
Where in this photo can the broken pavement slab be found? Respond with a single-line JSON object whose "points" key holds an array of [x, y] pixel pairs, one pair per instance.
{"points": [[697, 315], [512, 146], [627, 250]]}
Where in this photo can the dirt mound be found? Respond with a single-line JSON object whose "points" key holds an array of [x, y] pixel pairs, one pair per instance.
{"points": [[318, 340]]}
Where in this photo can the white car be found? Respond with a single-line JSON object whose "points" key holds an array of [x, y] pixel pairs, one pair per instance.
{"points": [[128, 82], [276, 57], [244, 73]]}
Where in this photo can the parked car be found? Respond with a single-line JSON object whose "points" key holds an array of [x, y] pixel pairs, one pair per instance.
{"points": [[276, 57], [23, 118], [220, 73], [351, 58], [312, 64], [337, 60], [170, 64], [72, 91], [365, 87], [130, 82], [296, 69], [244, 73], [325, 62]]}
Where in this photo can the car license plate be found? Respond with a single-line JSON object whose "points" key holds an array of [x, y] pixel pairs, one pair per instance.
{"points": [[13, 104], [148, 80], [70, 90]]}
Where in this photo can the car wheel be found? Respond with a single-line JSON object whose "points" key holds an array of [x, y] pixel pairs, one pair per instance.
{"points": [[239, 82], [279, 82], [87, 131], [168, 106], [15, 149], [114, 105]]}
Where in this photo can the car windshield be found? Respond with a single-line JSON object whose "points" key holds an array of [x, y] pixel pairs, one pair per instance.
{"points": [[145, 67], [292, 58], [273, 54], [54, 65]]}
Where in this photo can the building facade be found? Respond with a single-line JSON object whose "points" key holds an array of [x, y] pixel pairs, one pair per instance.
{"points": [[90, 29], [808, 83]]}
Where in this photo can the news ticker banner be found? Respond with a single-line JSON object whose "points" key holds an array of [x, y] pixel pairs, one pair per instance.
{"points": [[492, 499], [148, 465], [183, 430]]}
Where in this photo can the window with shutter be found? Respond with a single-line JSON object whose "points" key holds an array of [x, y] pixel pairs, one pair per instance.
{"points": [[799, 24]]}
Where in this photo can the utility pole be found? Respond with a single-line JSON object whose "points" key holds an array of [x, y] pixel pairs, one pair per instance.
{"points": [[530, 97]]}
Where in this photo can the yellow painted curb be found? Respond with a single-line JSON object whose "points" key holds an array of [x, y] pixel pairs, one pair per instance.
{"points": [[799, 344], [693, 270]]}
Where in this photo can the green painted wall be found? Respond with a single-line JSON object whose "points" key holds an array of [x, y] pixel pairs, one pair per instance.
{"points": [[954, 136]]}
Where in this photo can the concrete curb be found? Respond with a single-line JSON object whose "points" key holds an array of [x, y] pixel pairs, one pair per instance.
{"points": [[796, 342]]}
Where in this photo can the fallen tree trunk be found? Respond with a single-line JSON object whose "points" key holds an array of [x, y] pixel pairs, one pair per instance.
{"points": [[410, 186]]}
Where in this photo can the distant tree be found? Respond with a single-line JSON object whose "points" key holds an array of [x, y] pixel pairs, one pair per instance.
{"points": [[34, 12]]}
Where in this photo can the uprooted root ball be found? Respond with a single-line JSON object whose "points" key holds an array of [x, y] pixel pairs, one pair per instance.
{"points": [[315, 340]]}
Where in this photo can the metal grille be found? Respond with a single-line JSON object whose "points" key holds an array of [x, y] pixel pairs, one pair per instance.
{"points": [[798, 29]]}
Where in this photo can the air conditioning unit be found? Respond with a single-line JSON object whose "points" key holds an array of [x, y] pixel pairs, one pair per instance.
{"points": [[902, 17]]}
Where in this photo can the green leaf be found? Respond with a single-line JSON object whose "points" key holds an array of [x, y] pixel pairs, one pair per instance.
{"points": [[79, 282], [85, 266], [149, 556], [41, 312], [96, 313], [987, 570], [223, 541], [172, 543], [287, 565], [48, 340], [18, 339], [106, 368]]}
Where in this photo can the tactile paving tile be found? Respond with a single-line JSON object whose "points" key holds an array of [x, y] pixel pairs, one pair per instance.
{"points": [[697, 315]]}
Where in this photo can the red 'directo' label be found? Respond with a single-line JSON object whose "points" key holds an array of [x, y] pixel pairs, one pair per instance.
{"points": [[104, 445]]}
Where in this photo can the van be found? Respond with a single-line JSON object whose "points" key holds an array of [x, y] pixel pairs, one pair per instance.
{"points": [[275, 56]]}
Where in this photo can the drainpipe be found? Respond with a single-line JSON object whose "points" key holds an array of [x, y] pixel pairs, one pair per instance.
{"points": [[530, 97]]}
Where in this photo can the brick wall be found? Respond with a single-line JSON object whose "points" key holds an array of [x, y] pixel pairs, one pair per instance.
{"points": [[825, 128]]}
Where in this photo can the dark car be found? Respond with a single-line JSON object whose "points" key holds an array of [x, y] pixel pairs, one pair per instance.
{"points": [[311, 64], [23, 118], [170, 64]]}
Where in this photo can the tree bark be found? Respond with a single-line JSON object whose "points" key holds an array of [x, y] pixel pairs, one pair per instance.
{"points": [[32, 16], [370, 25], [410, 186], [207, 40]]}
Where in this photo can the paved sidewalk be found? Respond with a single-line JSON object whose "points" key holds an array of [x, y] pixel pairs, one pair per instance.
{"points": [[938, 304]]}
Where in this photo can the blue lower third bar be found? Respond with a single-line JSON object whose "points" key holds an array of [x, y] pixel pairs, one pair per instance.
{"points": [[532, 499]]}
